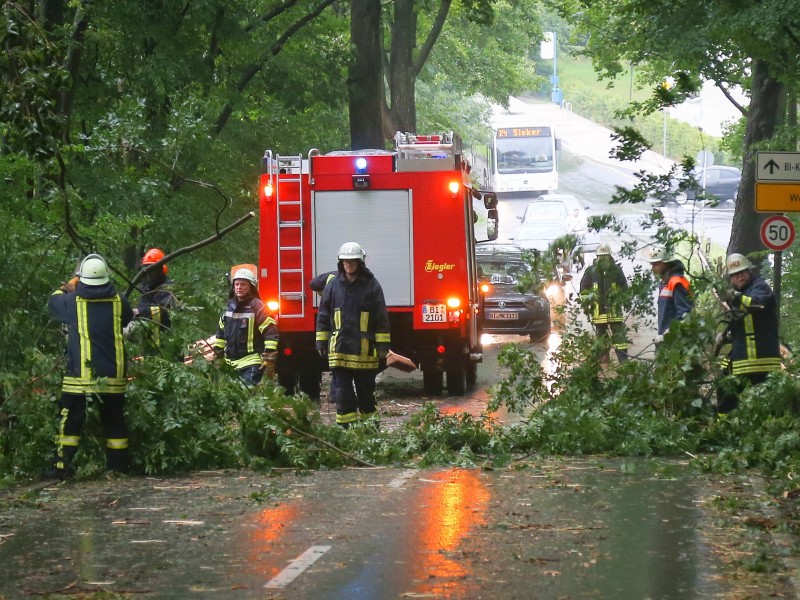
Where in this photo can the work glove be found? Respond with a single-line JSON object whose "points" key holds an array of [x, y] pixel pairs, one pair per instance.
{"points": [[382, 354], [268, 360], [69, 286], [733, 298], [658, 339], [322, 348]]}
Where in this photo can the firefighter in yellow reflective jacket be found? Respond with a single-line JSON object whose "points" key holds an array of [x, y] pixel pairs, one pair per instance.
{"points": [[248, 334], [95, 315], [353, 333], [602, 288], [755, 348]]}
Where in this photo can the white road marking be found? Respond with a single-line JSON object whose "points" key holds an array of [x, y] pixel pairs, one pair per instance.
{"points": [[297, 566], [401, 479]]}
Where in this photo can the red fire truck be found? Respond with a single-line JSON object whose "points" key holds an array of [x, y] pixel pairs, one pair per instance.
{"points": [[412, 210]]}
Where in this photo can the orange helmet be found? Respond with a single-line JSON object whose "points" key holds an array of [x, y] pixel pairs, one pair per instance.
{"points": [[153, 256]]}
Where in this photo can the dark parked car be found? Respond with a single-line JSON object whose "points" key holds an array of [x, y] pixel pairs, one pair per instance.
{"points": [[719, 181], [506, 309]]}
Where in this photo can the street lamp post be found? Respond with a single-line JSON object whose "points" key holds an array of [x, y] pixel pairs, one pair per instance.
{"points": [[549, 50]]}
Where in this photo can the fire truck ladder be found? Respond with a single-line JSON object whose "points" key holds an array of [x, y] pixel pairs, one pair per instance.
{"points": [[291, 250]]}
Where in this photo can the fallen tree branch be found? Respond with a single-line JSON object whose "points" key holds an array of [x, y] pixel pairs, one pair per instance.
{"points": [[187, 249]]}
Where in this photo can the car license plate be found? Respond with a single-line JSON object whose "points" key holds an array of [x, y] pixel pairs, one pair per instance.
{"points": [[504, 315], [434, 313]]}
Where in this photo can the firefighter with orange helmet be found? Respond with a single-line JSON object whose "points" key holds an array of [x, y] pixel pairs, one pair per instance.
{"points": [[157, 299], [248, 333], [95, 315], [755, 347], [353, 332]]}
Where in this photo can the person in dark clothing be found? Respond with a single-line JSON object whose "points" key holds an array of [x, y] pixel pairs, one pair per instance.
{"points": [[317, 285], [755, 346], [156, 302], [353, 332], [674, 290], [601, 295], [248, 333], [95, 315]]}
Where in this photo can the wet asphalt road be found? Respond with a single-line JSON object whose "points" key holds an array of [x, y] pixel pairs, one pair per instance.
{"points": [[548, 529]]}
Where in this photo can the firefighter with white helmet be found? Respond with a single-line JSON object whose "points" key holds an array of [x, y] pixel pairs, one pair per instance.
{"points": [[156, 301], [674, 291], [95, 315], [248, 333], [602, 297], [353, 333], [736, 263], [755, 347]]}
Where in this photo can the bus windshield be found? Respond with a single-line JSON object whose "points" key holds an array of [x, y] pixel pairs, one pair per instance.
{"points": [[525, 155]]}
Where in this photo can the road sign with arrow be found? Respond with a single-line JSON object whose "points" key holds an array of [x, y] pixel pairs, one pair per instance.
{"points": [[778, 166], [778, 181]]}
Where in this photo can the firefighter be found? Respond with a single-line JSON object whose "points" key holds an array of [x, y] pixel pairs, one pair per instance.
{"points": [[317, 285], [601, 292], [755, 349], [156, 302], [248, 334], [94, 315], [353, 334], [674, 290]]}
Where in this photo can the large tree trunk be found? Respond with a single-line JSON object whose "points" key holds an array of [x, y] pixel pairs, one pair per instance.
{"points": [[365, 80], [402, 76], [403, 66], [763, 115]]}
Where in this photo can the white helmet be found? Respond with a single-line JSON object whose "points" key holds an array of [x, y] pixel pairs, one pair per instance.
{"points": [[736, 263], [603, 250], [93, 270], [659, 254], [351, 251], [245, 273]]}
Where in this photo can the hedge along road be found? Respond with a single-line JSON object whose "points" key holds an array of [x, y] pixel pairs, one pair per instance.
{"points": [[543, 528]]}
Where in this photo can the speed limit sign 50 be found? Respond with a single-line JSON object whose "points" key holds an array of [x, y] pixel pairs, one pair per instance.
{"points": [[777, 233]]}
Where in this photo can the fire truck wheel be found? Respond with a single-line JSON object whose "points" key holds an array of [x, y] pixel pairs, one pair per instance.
{"points": [[457, 381], [472, 374], [287, 381], [310, 383], [432, 382]]}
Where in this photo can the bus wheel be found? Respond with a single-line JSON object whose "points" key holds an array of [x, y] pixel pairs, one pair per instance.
{"points": [[432, 382]]}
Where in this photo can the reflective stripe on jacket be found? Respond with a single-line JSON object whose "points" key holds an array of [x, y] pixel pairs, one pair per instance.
{"points": [[755, 347], [154, 307], [353, 321], [246, 330], [95, 317]]}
